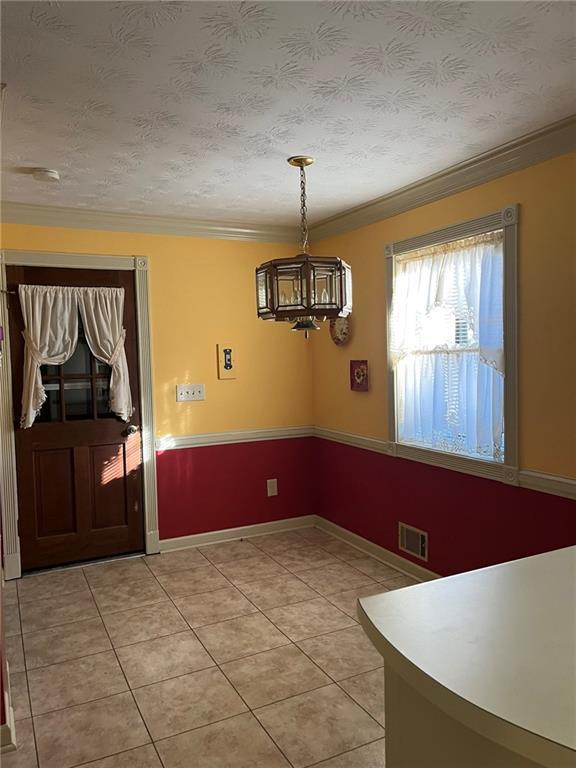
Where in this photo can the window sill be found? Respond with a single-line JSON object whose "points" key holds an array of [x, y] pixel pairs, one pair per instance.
{"points": [[491, 470]]}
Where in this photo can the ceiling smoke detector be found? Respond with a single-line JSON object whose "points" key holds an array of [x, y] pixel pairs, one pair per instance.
{"points": [[45, 174]]}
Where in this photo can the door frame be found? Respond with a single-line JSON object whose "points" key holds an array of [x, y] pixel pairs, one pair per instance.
{"points": [[8, 483]]}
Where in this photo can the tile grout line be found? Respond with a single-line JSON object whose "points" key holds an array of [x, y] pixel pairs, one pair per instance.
{"points": [[347, 752], [250, 711], [222, 671], [357, 702], [294, 644], [27, 681], [123, 673], [238, 587]]}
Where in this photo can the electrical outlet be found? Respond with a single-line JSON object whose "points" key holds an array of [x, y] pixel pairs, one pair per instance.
{"points": [[272, 487], [187, 392]]}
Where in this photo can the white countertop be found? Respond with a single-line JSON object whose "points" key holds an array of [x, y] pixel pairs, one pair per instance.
{"points": [[501, 638]]}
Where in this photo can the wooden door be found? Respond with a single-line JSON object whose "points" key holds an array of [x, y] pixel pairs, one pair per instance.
{"points": [[79, 467]]}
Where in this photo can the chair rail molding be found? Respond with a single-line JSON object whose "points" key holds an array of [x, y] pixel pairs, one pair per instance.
{"points": [[8, 484], [511, 475], [170, 443], [524, 478]]}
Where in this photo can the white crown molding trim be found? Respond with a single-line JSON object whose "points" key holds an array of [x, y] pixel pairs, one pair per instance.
{"points": [[557, 486], [367, 547], [170, 443], [553, 140], [536, 147], [79, 218], [232, 534]]}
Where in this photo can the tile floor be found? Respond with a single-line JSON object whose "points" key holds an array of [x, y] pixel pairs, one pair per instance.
{"points": [[242, 654]]}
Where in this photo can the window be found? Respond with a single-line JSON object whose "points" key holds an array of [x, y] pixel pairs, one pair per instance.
{"points": [[447, 337], [81, 385]]}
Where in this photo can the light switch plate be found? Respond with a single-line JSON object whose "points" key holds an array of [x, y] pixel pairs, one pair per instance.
{"points": [[187, 392], [227, 362], [272, 487]]}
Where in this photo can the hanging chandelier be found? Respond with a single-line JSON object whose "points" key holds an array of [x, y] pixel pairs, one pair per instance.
{"points": [[304, 288]]}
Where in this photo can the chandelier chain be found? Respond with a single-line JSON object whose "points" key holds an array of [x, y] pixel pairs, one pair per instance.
{"points": [[303, 212]]}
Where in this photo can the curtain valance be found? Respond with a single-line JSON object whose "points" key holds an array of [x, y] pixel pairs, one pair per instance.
{"points": [[51, 333]]}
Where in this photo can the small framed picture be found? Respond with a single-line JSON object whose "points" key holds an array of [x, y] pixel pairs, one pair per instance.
{"points": [[359, 375]]}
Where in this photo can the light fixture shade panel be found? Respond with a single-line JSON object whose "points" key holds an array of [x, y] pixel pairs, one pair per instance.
{"points": [[264, 292], [290, 287], [326, 286], [347, 298], [305, 286]]}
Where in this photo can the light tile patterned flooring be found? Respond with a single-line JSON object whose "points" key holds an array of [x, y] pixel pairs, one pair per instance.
{"points": [[241, 654]]}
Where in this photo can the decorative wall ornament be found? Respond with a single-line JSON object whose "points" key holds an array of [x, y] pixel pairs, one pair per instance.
{"points": [[359, 375], [340, 330]]}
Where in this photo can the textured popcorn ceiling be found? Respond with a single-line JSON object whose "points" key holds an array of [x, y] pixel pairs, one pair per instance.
{"points": [[190, 109]]}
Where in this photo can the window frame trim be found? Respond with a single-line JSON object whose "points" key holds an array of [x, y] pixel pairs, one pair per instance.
{"points": [[506, 471]]}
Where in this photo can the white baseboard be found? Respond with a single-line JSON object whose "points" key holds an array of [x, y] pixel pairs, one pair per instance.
{"points": [[364, 546], [367, 547], [8, 729], [152, 542], [12, 568], [229, 534]]}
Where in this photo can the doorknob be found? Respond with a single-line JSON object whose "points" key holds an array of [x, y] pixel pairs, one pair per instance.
{"points": [[131, 429]]}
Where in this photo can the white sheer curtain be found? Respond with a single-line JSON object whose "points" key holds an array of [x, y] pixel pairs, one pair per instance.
{"points": [[102, 310], [447, 347], [51, 333]]}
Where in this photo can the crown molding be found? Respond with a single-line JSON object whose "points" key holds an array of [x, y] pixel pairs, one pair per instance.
{"points": [[76, 218], [551, 141]]}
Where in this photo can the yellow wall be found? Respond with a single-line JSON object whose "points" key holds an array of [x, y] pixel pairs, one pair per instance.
{"points": [[547, 312], [284, 380], [203, 293]]}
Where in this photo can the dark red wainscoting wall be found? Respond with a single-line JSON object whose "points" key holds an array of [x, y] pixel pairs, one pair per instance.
{"points": [[224, 486], [471, 522]]}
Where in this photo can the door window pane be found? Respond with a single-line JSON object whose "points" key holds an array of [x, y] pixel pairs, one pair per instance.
{"points": [[51, 410], [50, 370], [103, 399], [80, 360], [102, 368], [78, 399]]}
